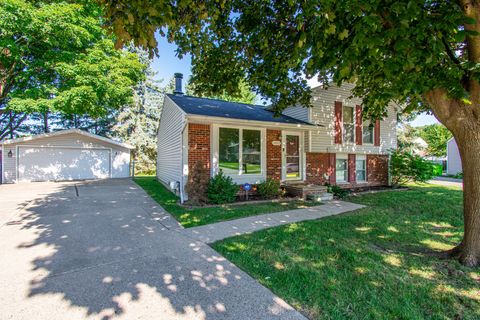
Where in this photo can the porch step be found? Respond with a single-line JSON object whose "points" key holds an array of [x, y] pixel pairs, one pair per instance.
{"points": [[303, 190], [325, 196]]}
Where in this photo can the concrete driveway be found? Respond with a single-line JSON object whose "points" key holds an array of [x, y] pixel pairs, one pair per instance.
{"points": [[106, 250]]}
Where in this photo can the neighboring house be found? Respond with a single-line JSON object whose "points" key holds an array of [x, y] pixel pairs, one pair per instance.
{"points": [[63, 155], [454, 162], [419, 147], [328, 143]]}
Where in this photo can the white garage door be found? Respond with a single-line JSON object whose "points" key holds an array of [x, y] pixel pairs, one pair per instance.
{"points": [[57, 163]]}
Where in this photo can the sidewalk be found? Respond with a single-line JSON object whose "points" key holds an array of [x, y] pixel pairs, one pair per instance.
{"points": [[447, 182], [218, 231]]}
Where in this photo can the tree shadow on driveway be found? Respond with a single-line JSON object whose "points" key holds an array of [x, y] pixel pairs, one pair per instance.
{"points": [[110, 253]]}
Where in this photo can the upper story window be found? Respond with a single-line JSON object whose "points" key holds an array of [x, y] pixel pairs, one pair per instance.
{"points": [[367, 132], [239, 151], [348, 124]]}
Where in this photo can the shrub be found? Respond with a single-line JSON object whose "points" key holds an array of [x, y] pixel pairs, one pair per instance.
{"points": [[221, 189], [269, 189], [437, 170], [406, 167], [458, 175], [338, 192], [197, 184]]}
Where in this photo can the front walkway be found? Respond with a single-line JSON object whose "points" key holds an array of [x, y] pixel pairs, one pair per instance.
{"points": [[218, 231]]}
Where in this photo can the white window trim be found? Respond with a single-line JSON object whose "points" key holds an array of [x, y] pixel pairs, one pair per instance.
{"points": [[240, 177], [373, 134], [362, 158], [341, 157], [343, 126]]}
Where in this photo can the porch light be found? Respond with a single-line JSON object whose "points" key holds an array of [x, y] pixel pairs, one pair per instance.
{"points": [[10, 154]]}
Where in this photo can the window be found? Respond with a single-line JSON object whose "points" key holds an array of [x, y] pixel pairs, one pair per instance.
{"points": [[367, 132], [361, 169], [348, 124], [228, 152], [341, 170], [239, 151], [251, 152]]}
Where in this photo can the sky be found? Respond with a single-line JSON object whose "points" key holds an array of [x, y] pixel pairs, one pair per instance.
{"points": [[168, 63]]}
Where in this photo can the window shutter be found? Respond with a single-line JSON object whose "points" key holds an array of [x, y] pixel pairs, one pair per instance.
{"points": [[338, 122], [332, 171], [358, 125], [376, 139], [352, 170]]}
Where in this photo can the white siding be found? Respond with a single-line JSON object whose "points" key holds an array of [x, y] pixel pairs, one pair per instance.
{"points": [[322, 139], [299, 113], [454, 161], [169, 145], [120, 156]]}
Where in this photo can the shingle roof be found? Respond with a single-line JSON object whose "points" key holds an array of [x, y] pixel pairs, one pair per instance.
{"points": [[232, 110]]}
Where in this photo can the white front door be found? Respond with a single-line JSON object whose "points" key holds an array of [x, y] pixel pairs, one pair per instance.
{"points": [[292, 156]]}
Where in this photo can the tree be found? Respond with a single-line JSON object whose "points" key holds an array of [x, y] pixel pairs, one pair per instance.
{"points": [[243, 95], [437, 136], [55, 57], [422, 54], [137, 123]]}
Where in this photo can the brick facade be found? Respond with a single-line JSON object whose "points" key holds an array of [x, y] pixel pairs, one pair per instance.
{"points": [[377, 169], [274, 155], [198, 144], [318, 165]]}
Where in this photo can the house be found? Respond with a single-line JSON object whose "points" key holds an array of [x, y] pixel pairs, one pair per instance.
{"points": [[328, 143], [454, 161], [63, 155]]}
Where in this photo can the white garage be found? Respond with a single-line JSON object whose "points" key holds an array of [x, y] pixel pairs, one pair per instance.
{"points": [[64, 155]]}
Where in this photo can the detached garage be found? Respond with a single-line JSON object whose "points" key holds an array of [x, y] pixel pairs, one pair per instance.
{"points": [[64, 155]]}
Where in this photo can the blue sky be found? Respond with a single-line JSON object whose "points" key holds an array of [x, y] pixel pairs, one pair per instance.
{"points": [[168, 63]]}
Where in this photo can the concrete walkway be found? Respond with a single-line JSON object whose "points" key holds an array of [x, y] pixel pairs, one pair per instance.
{"points": [[447, 182], [218, 231]]}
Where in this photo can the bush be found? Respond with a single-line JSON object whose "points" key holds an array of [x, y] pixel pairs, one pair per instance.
{"points": [[406, 167], [221, 189], [337, 191], [269, 189], [437, 170], [197, 184]]}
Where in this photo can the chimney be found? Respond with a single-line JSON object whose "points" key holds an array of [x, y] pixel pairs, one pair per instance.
{"points": [[178, 83]]}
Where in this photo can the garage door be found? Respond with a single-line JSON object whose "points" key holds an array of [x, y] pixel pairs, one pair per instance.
{"points": [[57, 163]]}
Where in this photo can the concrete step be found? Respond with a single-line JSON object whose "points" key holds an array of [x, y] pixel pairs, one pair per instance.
{"points": [[319, 197]]}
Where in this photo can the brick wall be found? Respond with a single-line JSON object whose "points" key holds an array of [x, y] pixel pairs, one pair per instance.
{"points": [[198, 144], [377, 169], [318, 164], [274, 155]]}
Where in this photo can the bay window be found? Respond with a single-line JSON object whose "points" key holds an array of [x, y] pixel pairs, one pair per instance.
{"points": [[239, 151]]}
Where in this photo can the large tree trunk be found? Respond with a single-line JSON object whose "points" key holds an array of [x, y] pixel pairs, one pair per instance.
{"points": [[468, 252]]}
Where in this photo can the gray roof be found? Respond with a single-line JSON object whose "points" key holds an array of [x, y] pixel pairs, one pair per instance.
{"points": [[232, 110]]}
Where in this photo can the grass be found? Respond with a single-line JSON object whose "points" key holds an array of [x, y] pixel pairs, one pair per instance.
{"points": [[201, 216], [376, 263]]}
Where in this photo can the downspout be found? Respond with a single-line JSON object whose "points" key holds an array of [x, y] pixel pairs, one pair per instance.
{"points": [[182, 195]]}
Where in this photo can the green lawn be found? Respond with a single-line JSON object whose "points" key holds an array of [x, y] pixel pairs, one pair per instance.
{"points": [[201, 216], [375, 263]]}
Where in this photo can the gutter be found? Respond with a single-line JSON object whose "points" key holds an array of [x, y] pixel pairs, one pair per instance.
{"points": [[220, 120]]}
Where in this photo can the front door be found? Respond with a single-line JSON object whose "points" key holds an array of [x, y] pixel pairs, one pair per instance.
{"points": [[292, 156]]}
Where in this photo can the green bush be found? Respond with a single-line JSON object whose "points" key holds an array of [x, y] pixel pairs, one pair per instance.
{"points": [[338, 192], [437, 170], [269, 189], [406, 167], [221, 189]]}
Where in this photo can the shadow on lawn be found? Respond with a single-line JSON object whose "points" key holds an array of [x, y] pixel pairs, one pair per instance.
{"points": [[380, 257], [107, 256]]}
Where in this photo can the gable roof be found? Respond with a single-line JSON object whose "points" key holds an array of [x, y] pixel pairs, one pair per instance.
{"points": [[67, 131], [231, 110]]}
